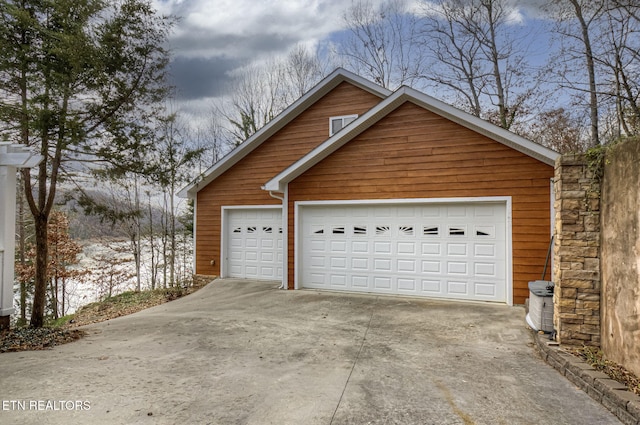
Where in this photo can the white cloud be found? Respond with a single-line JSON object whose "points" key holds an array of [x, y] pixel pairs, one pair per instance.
{"points": [[247, 29], [215, 37]]}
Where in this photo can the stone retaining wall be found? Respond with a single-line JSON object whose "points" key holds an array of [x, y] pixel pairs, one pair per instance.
{"points": [[610, 393]]}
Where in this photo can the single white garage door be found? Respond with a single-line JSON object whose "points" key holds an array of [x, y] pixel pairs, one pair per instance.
{"points": [[254, 243], [434, 250]]}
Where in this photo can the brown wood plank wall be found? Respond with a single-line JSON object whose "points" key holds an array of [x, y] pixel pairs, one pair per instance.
{"points": [[241, 184], [413, 153]]}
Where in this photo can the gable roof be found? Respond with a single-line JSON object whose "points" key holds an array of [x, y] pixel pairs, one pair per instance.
{"points": [[400, 96], [318, 91]]}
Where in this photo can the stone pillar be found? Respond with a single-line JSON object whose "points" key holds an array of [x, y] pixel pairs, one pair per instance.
{"points": [[576, 266]]}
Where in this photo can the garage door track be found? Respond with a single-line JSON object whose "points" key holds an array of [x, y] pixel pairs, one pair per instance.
{"points": [[244, 352]]}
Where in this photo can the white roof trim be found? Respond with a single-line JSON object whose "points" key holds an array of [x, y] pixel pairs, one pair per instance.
{"points": [[323, 87], [400, 96]]}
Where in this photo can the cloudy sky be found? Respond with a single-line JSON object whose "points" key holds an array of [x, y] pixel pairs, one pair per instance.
{"points": [[215, 37]]}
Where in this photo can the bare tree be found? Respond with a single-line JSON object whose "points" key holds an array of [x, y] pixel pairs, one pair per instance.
{"points": [[212, 139], [577, 20], [112, 272], [477, 55], [618, 56], [303, 70], [172, 169], [381, 45], [119, 204], [455, 53], [600, 58], [257, 97], [558, 130], [153, 265], [262, 91]]}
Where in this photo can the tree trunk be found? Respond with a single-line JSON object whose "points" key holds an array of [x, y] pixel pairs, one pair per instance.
{"points": [[136, 236], [42, 253], [151, 242], [172, 229], [64, 296], [53, 285], [591, 71], [165, 231]]}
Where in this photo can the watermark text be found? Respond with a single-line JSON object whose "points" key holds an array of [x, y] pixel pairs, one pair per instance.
{"points": [[45, 405]]}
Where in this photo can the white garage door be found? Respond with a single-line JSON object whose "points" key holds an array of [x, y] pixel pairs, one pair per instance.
{"points": [[434, 250], [254, 243]]}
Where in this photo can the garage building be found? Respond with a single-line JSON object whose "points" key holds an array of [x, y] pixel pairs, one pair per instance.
{"points": [[355, 188]]}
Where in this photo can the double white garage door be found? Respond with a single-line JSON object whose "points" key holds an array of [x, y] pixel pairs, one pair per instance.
{"points": [[449, 250]]}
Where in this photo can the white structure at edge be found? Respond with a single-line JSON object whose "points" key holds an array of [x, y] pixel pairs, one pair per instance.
{"points": [[12, 157]]}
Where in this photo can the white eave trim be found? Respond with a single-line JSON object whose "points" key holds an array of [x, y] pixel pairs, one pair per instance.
{"points": [[319, 90], [400, 96]]}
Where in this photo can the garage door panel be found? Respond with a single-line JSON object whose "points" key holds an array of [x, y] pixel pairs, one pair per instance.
{"points": [[456, 211], [484, 269], [407, 285], [382, 247], [269, 257], [457, 249], [338, 246], [484, 289], [431, 287], [338, 263], [382, 283], [317, 245], [317, 279], [338, 280], [430, 248], [360, 263], [408, 266], [381, 265], [484, 250], [435, 250], [360, 282], [360, 247], [457, 287], [431, 266], [456, 268], [406, 248], [267, 243]]}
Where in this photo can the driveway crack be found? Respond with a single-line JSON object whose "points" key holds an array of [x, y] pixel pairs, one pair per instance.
{"points": [[364, 338]]}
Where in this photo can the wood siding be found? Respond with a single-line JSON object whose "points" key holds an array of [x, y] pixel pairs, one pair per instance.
{"points": [[241, 184], [413, 153]]}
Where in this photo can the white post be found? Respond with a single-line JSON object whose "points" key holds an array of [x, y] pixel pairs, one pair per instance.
{"points": [[12, 157]]}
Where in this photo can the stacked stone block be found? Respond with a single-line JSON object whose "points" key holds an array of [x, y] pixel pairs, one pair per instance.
{"points": [[576, 267]]}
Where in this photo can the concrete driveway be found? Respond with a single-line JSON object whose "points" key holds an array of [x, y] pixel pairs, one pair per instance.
{"points": [[244, 352]]}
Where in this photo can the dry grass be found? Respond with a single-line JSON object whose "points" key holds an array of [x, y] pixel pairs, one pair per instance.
{"points": [[595, 358], [126, 303], [30, 339], [63, 330]]}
